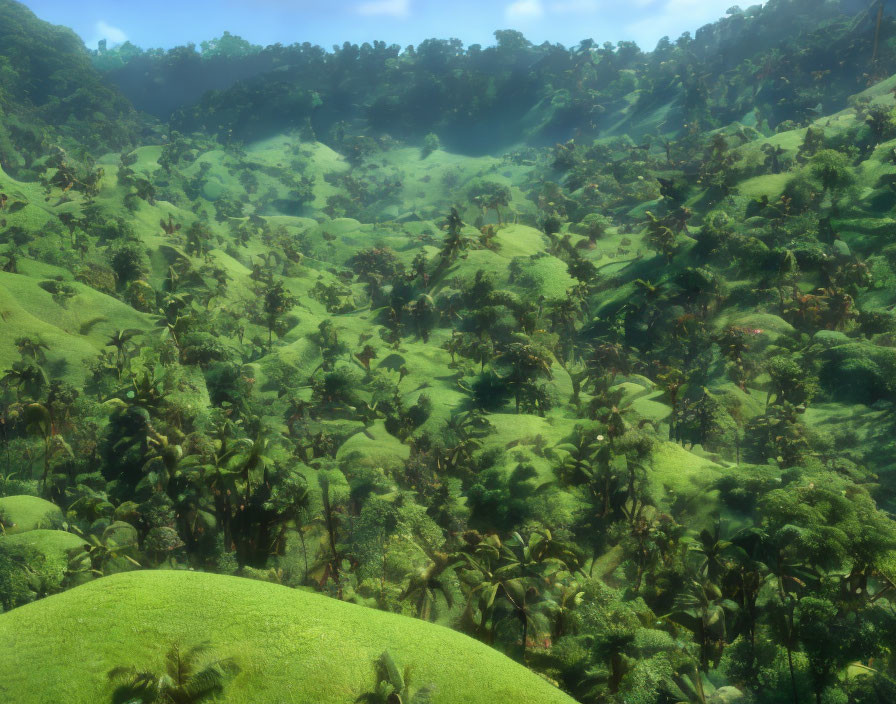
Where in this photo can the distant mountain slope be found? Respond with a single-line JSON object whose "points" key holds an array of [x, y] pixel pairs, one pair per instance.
{"points": [[51, 93], [766, 65]]}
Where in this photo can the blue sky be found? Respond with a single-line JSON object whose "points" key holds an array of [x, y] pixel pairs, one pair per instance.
{"points": [[165, 23]]}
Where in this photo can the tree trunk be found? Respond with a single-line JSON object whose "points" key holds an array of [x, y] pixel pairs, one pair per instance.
{"points": [[615, 672], [46, 460], [525, 637], [228, 533], [880, 17], [796, 699], [331, 528], [304, 555]]}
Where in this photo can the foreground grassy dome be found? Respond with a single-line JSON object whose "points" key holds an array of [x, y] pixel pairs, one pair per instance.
{"points": [[290, 646]]}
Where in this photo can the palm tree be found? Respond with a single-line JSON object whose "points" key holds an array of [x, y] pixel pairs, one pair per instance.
{"points": [[252, 523], [188, 677], [706, 610], [490, 195], [454, 346], [455, 241], [276, 302], [527, 362], [32, 347], [119, 340], [253, 459], [712, 552], [163, 460], [564, 314], [176, 328], [734, 345], [578, 374], [482, 582], [518, 595], [39, 422], [538, 560], [468, 428], [498, 585], [290, 500], [92, 558], [608, 358], [577, 463], [748, 577], [331, 521], [672, 382], [26, 377], [661, 237], [561, 604], [393, 686], [220, 473], [427, 583], [422, 311]]}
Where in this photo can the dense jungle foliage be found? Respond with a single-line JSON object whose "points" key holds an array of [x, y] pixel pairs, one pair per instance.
{"points": [[588, 353]]}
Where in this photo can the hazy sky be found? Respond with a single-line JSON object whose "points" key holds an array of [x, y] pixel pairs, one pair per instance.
{"points": [[165, 23]]}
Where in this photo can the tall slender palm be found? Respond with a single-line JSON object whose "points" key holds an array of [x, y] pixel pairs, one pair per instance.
{"points": [[32, 347], [455, 242], [578, 456], [331, 522], [426, 584], [526, 362], [706, 610], [120, 340], [290, 500], [220, 473], [712, 551], [39, 423], [468, 429], [746, 580], [28, 378]]}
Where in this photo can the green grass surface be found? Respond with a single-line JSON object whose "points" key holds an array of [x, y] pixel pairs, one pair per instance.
{"points": [[683, 472], [52, 544], [24, 513], [75, 332], [375, 447], [290, 646], [771, 185]]}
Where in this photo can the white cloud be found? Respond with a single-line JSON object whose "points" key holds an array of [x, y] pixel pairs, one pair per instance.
{"points": [[389, 8], [524, 10], [111, 34]]}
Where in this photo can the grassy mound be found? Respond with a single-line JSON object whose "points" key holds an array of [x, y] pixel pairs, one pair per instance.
{"points": [[52, 543], [19, 514], [290, 646], [53, 546]]}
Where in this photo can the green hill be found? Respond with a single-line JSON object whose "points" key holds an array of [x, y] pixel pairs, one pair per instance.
{"points": [[588, 353], [48, 85], [20, 514], [290, 646]]}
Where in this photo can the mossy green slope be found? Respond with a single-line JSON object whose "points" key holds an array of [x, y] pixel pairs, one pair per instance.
{"points": [[53, 545], [19, 514], [291, 646]]}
